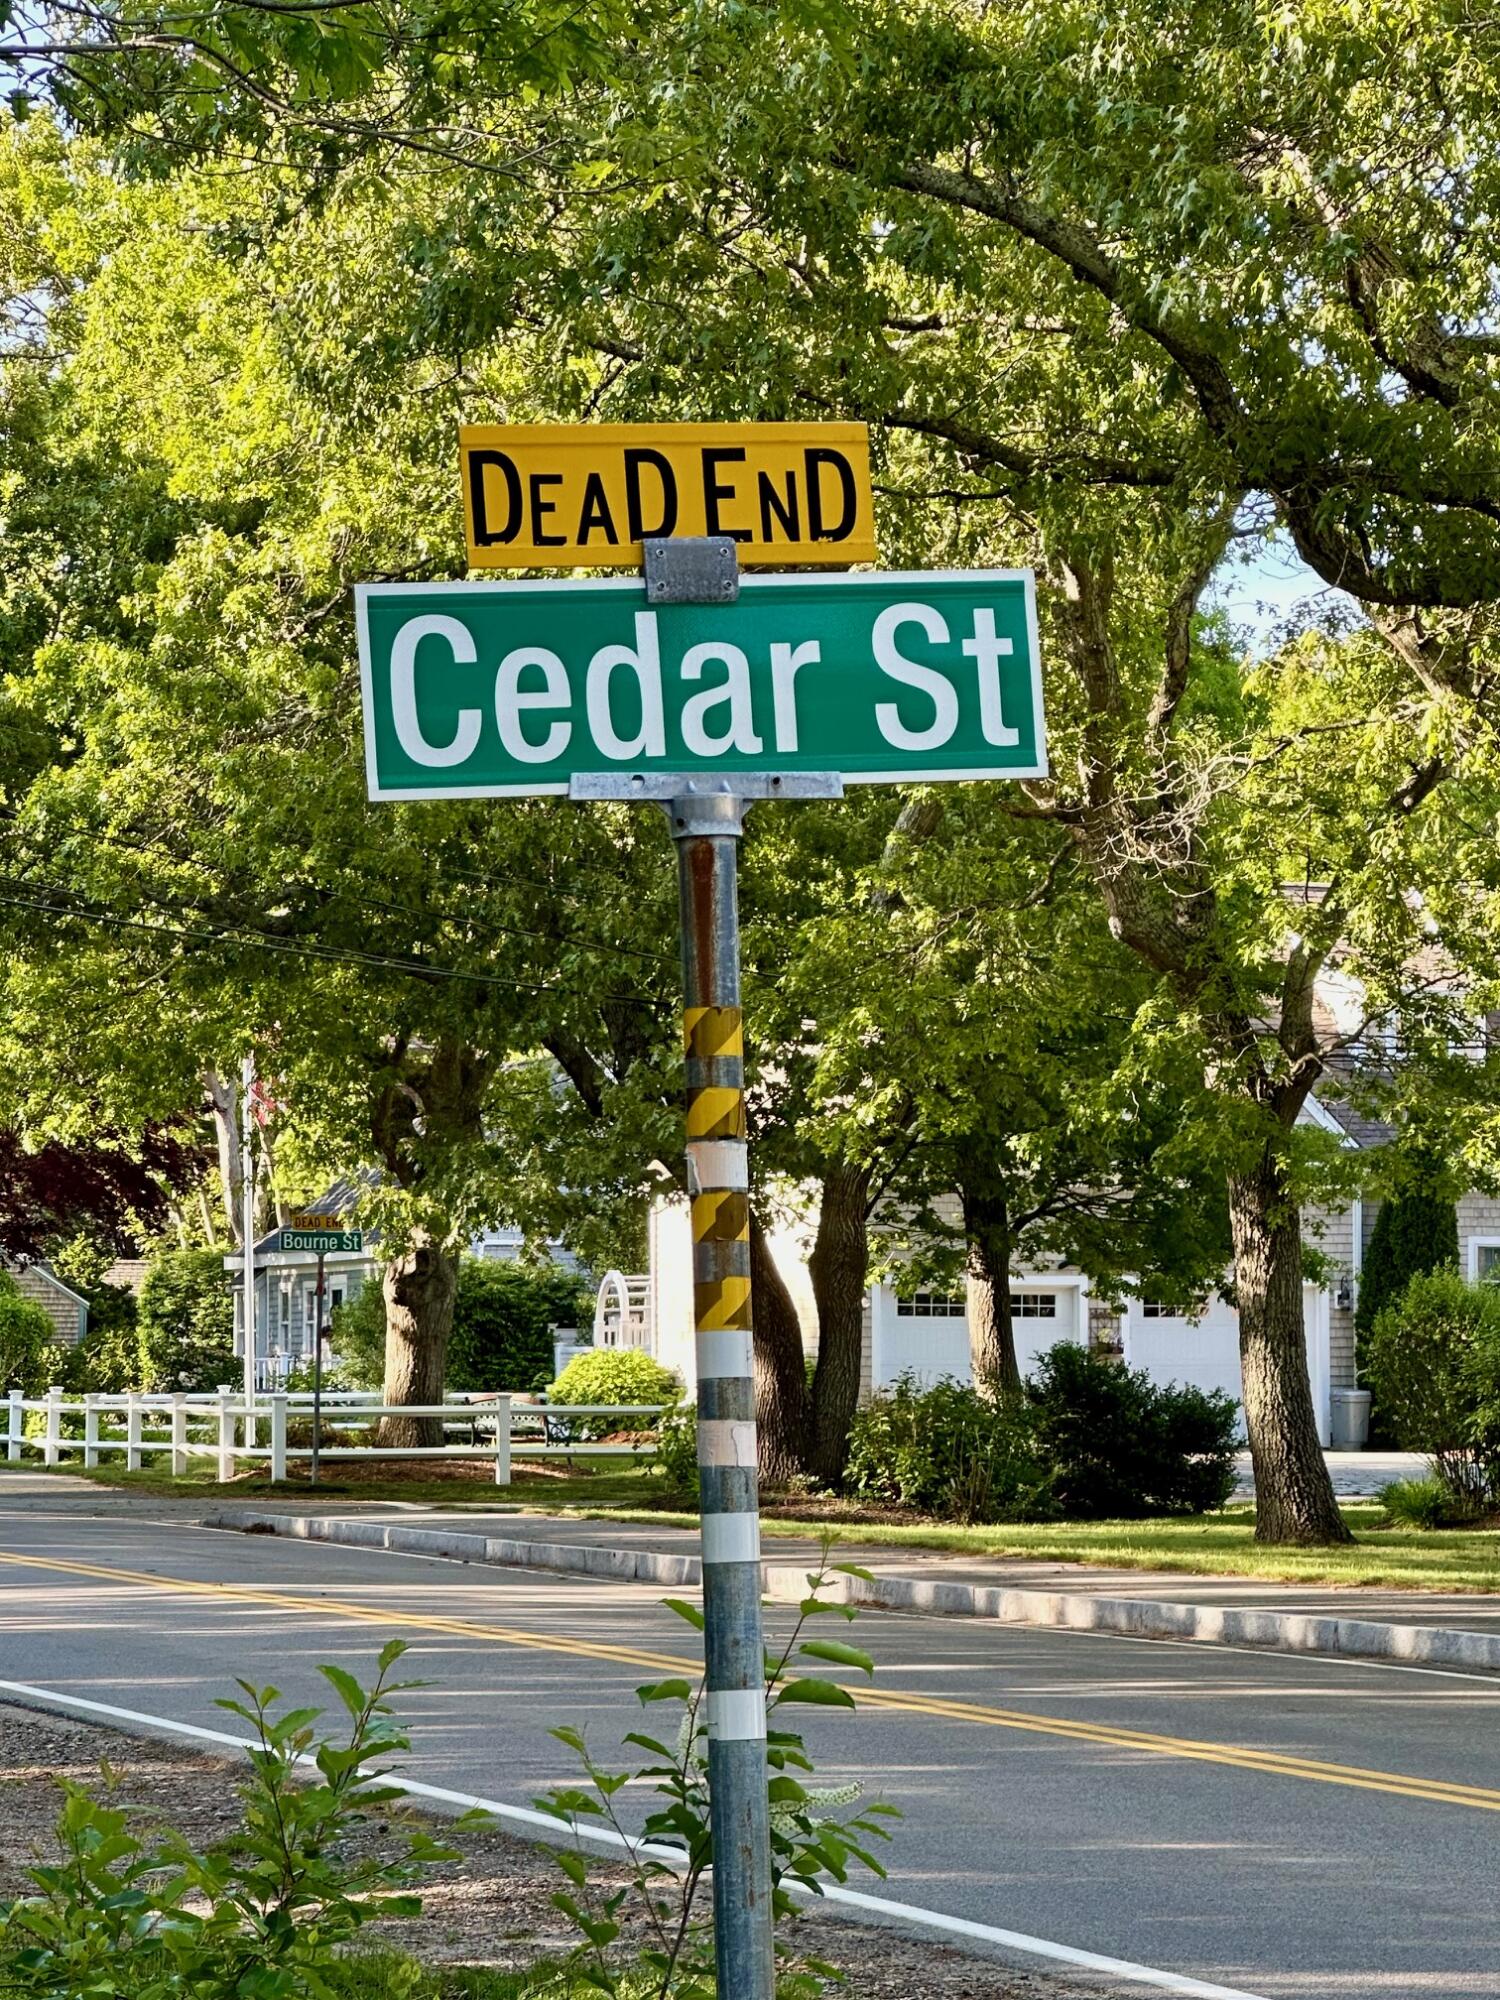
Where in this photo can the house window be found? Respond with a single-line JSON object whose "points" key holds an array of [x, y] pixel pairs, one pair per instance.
{"points": [[285, 1341], [930, 1305], [1154, 1309], [1033, 1305], [1487, 1263]]}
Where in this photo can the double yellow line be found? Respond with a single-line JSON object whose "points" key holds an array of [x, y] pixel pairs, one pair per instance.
{"points": [[1476, 1798]]}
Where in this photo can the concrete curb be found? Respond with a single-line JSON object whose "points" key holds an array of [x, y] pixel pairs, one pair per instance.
{"points": [[1134, 1617]]}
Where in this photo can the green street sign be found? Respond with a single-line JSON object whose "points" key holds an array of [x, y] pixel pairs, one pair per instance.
{"points": [[325, 1242], [492, 690]]}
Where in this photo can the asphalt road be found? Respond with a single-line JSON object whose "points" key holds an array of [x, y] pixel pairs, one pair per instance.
{"points": [[1284, 1825]]}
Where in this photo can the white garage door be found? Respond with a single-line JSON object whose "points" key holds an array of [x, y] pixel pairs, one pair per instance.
{"points": [[1206, 1351], [928, 1335], [1040, 1316]]}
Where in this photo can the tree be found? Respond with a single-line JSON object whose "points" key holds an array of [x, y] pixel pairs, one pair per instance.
{"points": [[192, 866], [1117, 293], [980, 990], [1414, 1233], [185, 1323], [1142, 286], [27, 1350], [310, 80], [55, 1190], [503, 1314]]}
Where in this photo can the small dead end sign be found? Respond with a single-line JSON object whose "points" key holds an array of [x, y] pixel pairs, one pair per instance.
{"points": [[561, 496]]}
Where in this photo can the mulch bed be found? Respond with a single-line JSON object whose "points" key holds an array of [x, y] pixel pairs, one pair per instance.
{"points": [[492, 1908]]}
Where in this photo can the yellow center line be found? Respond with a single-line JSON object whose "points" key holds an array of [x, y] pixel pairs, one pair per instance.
{"points": [[1235, 1756]]}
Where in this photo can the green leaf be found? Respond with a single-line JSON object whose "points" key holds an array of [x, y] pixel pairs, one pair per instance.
{"points": [[347, 1688], [666, 1691], [688, 1612], [838, 1654], [816, 1694]]}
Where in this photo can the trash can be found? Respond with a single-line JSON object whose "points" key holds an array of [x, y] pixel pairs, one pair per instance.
{"points": [[1348, 1418]]}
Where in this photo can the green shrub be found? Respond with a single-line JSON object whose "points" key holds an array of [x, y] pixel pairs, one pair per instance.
{"points": [[947, 1450], [1414, 1233], [1090, 1440], [677, 1451], [185, 1320], [108, 1358], [266, 1912], [357, 1336], [1119, 1446], [29, 1354], [611, 1375], [1434, 1365], [500, 1338], [501, 1324], [814, 1834], [1423, 1503]]}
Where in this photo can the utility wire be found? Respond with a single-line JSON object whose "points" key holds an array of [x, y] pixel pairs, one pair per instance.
{"points": [[370, 902], [413, 968]]}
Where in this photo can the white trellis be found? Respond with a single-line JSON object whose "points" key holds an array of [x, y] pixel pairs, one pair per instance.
{"points": [[622, 1317]]}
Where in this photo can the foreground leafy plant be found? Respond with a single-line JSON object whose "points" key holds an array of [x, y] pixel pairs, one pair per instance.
{"points": [[812, 1836], [259, 1916]]}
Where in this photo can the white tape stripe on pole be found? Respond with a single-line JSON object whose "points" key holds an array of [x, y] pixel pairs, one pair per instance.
{"points": [[731, 1538], [736, 1715], [726, 1443], [724, 1351], [717, 1163], [907, 1913]]}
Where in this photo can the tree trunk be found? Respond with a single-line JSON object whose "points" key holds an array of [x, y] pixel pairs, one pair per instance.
{"points": [[992, 1333], [224, 1102], [419, 1293], [839, 1268], [781, 1401], [1294, 1500]]}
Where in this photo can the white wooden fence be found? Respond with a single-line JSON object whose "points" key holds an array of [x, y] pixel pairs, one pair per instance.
{"points": [[224, 1427]]}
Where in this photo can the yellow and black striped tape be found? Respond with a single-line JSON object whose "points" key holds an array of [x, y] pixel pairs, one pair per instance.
{"points": [[722, 1305], [722, 1216], [713, 1031], [717, 1112]]}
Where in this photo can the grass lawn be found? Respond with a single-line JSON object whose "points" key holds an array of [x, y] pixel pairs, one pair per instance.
{"points": [[1215, 1544]]}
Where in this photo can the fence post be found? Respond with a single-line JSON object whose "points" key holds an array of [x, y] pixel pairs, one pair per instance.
{"points": [[50, 1452], [133, 1432], [502, 1440], [278, 1436], [17, 1426], [91, 1430], [179, 1437], [226, 1433]]}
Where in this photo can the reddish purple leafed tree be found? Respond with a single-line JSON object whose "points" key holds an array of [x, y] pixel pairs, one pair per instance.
{"points": [[105, 1189]]}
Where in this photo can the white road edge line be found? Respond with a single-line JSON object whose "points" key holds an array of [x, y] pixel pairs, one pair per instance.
{"points": [[909, 1913]]}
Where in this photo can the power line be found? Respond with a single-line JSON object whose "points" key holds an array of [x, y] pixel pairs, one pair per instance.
{"points": [[373, 903], [413, 968]]}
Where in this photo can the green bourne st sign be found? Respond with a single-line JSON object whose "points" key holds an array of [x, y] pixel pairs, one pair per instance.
{"points": [[483, 690]]}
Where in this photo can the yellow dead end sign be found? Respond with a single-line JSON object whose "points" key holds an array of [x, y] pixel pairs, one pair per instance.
{"points": [[560, 496]]}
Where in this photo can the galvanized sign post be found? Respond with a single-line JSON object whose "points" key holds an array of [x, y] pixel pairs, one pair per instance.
{"points": [[317, 1437], [322, 1233], [706, 815], [716, 691]]}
